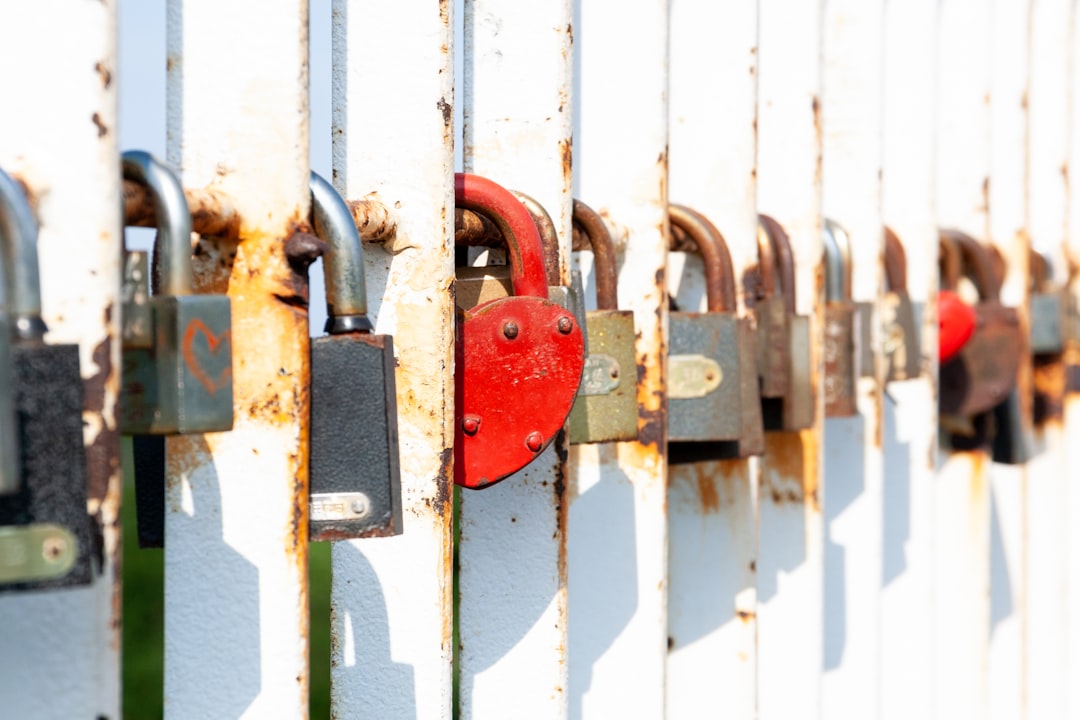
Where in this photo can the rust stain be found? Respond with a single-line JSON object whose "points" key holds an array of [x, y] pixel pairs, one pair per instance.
{"points": [[566, 152], [1049, 378], [707, 492], [745, 616], [102, 129], [791, 469], [103, 454], [103, 73]]}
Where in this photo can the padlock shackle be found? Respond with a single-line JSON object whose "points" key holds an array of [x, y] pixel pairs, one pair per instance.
{"points": [[837, 245], [549, 235], [172, 246], [782, 256], [977, 259], [21, 288], [895, 263], [603, 249], [524, 246], [949, 262], [1039, 269], [343, 265], [719, 271]]}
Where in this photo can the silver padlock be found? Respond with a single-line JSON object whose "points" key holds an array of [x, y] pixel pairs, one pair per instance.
{"points": [[899, 323], [840, 311]]}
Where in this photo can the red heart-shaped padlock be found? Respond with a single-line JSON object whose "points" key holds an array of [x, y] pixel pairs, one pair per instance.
{"points": [[956, 323]]}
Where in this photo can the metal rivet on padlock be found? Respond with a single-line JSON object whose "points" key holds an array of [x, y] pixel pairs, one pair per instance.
{"points": [[899, 322], [984, 372], [182, 381], [839, 382], [787, 401], [606, 407], [45, 531], [516, 392], [712, 381], [354, 463]]}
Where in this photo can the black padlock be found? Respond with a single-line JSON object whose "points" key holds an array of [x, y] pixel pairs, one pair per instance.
{"points": [[354, 461], [45, 530]]}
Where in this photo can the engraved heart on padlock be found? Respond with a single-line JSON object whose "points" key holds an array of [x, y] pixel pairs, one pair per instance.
{"points": [[195, 359], [519, 364]]}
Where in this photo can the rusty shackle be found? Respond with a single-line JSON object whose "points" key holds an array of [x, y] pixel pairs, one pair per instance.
{"points": [[597, 238], [700, 234], [776, 260]]}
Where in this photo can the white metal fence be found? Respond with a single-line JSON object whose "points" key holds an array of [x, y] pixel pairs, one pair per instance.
{"points": [[860, 568]]}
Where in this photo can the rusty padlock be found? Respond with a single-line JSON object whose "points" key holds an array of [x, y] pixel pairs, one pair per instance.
{"points": [[606, 407], [900, 327], [519, 359], [1049, 308], [840, 317], [713, 394], [787, 396], [984, 372]]}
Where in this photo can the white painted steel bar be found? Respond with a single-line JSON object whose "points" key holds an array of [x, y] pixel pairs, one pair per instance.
{"points": [[909, 423], [392, 602], [618, 574], [1008, 205], [852, 43], [962, 528], [1071, 413], [712, 534], [790, 523], [60, 650], [1047, 602], [512, 624], [236, 605]]}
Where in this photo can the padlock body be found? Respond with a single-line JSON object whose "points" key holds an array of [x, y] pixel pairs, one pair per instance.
{"points": [[354, 463], [752, 433], [795, 410], [1047, 323], [51, 503], [606, 406], [773, 356], [984, 372], [840, 371], [704, 395], [514, 387], [183, 384], [900, 337]]}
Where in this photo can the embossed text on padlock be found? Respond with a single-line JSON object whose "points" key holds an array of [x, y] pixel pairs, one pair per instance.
{"points": [[839, 381], [45, 531], [899, 325], [182, 383], [519, 359], [354, 460], [606, 407]]}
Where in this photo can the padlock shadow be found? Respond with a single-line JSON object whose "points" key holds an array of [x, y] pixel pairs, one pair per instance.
{"points": [[1001, 581], [896, 493], [602, 578], [360, 627], [215, 569], [785, 497]]}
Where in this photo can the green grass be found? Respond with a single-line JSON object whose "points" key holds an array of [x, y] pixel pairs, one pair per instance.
{"points": [[143, 633]]}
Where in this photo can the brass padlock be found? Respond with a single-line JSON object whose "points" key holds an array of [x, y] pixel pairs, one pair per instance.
{"points": [[900, 328], [606, 406], [46, 534], [840, 312], [713, 394], [787, 396], [177, 373], [984, 372]]}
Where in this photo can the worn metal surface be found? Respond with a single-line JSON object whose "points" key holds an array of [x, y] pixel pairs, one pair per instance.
{"points": [[842, 323], [617, 541], [63, 147], [236, 519], [511, 553], [712, 541], [790, 524], [900, 332], [392, 641]]}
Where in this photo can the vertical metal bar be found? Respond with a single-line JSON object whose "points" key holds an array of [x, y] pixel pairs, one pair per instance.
{"points": [[712, 534], [512, 548], [1071, 414], [60, 650], [236, 604], [962, 528], [910, 419], [392, 624], [618, 511], [790, 524], [852, 42], [1008, 203], [1047, 606]]}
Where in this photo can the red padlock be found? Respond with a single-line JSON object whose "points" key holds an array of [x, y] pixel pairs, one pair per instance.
{"points": [[956, 323], [519, 358]]}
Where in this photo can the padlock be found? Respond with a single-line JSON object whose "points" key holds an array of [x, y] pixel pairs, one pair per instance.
{"points": [[1049, 308], [984, 372], [712, 382], [46, 533], [900, 327], [606, 406], [840, 324], [787, 396], [519, 359], [354, 460], [180, 380]]}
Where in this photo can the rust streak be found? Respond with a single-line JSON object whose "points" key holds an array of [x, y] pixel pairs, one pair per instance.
{"points": [[212, 212]]}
